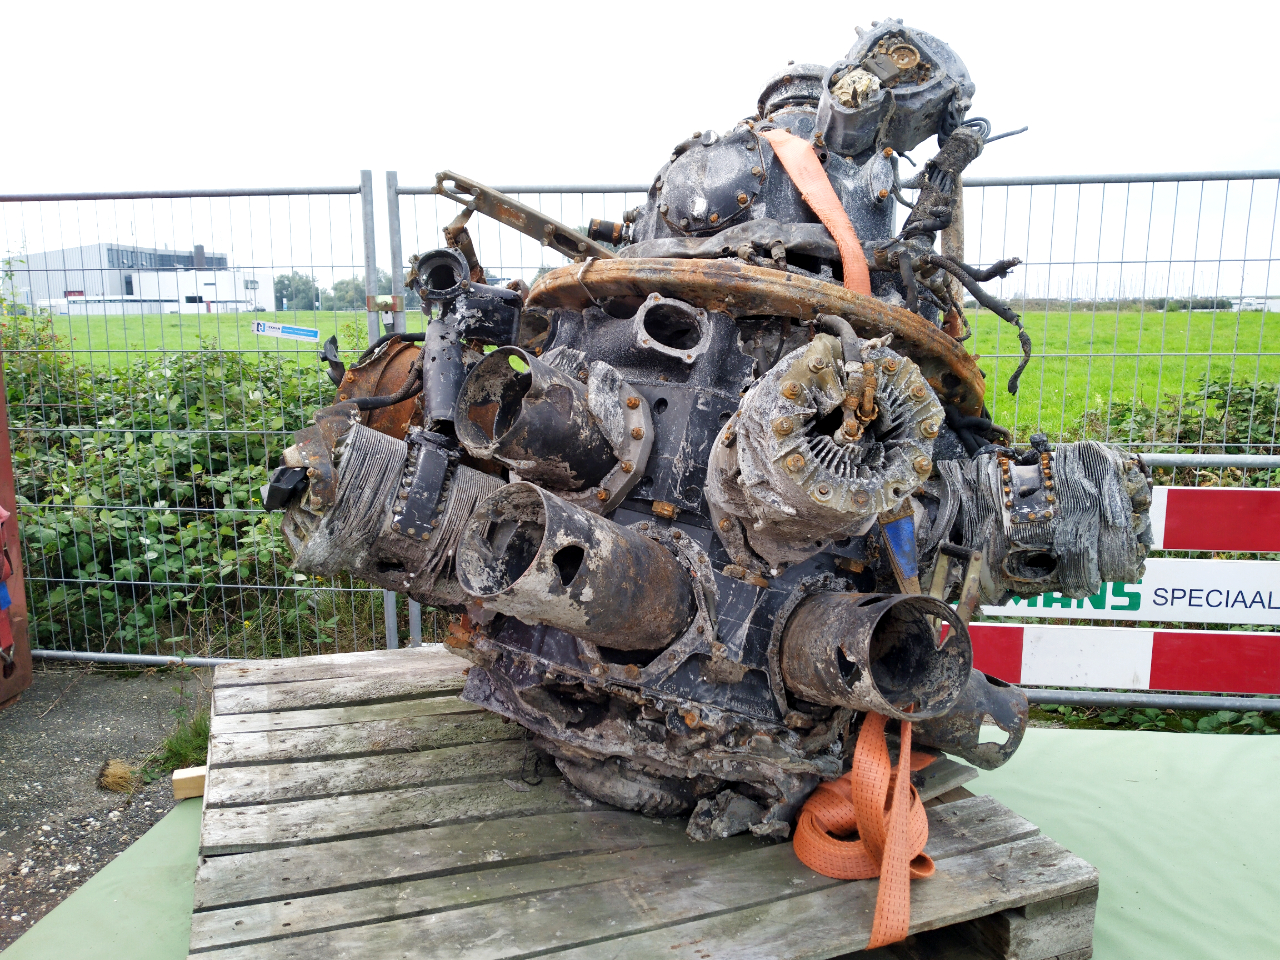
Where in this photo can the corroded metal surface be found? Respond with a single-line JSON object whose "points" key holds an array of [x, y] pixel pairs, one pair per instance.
{"points": [[681, 501], [742, 290]]}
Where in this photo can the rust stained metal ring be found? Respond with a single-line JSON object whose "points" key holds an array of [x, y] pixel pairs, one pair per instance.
{"points": [[743, 290]]}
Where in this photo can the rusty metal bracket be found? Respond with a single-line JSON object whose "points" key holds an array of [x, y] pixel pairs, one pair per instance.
{"points": [[951, 557], [532, 223]]}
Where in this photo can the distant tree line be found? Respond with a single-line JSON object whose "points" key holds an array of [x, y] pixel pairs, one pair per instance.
{"points": [[297, 291]]}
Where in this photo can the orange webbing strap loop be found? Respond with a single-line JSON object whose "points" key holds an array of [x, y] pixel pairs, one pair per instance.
{"points": [[806, 172], [892, 829]]}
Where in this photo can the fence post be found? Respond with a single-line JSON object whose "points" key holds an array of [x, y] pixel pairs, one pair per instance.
{"points": [[375, 331], [398, 325]]}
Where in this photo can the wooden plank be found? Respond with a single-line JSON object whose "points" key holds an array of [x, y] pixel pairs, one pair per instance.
{"points": [[301, 719], [313, 694], [334, 665], [271, 921], [189, 782], [977, 824], [359, 739], [422, 852], [837, 920], [634, 913], [472, 763], [295, 823], [1046, 928], [941, 776]]}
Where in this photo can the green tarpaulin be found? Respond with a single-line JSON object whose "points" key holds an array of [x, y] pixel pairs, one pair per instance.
{"points": [[1182, 828]]}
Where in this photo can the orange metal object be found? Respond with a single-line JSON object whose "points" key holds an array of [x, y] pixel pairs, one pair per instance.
{"points": [[16, 676]]}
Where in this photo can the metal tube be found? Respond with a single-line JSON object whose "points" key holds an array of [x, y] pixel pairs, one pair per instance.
{"points": [[398, 324], [880, 652], [137, 659], [1065, 180], [397, 253], [1160, 701], [528, 554], [370, 250], [371, 290], [1239, 461], [179, 194], [1070, 180]]}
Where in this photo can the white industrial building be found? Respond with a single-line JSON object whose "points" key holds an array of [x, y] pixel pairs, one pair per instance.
{"points": [[116, 279]]}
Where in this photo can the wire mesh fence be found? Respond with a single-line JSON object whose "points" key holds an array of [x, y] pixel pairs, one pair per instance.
{"points": [[153, 381], [159, 352]]}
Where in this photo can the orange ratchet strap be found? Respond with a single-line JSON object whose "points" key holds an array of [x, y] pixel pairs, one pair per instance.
{"points": [[802, 166], [884, 808]]}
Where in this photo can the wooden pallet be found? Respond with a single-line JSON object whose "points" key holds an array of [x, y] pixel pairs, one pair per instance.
{"points": [[356, 808]]}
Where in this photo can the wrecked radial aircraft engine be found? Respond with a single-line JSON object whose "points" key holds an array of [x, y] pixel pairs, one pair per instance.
{"points": [[703, 503]]}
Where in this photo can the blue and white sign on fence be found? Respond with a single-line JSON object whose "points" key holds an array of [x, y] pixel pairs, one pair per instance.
{"points": [[283, 330]]}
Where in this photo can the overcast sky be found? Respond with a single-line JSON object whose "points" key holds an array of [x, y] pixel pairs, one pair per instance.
{"points": [[165, 95]]}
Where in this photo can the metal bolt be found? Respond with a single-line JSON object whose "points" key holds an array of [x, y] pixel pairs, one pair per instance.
{"points": [[342, 396], [817, 363], [919, 391], [633, 403], [923, 465], [756, 171], [726, 524], [862, 498], [684, 221], [1049, 484], [637, 433], [663, 209], [1008, 503], [395, 527], [888, 152], [791, 390], [602, 495], [1031, 516], [890, 365], [676, 534], [427, 535], [742, 198], [714, 218], [1050, 498], [644, 526], [782, 426], [350, 377], [582, 247], [883, 194], [413, 532], [929, 428], [627, 466], [824, 490], [701, 629], [795, 462], [311, 471]]}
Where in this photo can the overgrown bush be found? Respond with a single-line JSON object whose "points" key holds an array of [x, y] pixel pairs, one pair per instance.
{"points": [[138, 489]]}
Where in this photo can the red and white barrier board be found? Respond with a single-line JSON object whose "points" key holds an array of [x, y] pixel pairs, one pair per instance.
{"points": [[1216, 518], [1190, 591], [1128, 658]]}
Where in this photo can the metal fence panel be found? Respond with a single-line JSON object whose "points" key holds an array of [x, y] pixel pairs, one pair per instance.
{"points": [[147, 409], [143, 424]]}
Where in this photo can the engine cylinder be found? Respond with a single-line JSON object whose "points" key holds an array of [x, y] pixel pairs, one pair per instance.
{"points": [[534, 418], [871, 651], [529, 554]]}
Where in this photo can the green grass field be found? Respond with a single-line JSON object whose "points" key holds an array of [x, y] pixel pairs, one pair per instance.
{"points": [[1083, 363], [115, 340]]}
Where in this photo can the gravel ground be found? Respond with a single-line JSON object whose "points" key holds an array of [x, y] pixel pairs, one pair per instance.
{"points": [[57, 828]]}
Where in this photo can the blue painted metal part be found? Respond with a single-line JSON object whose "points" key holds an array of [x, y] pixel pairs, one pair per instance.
{"points": [[901, 536]]}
